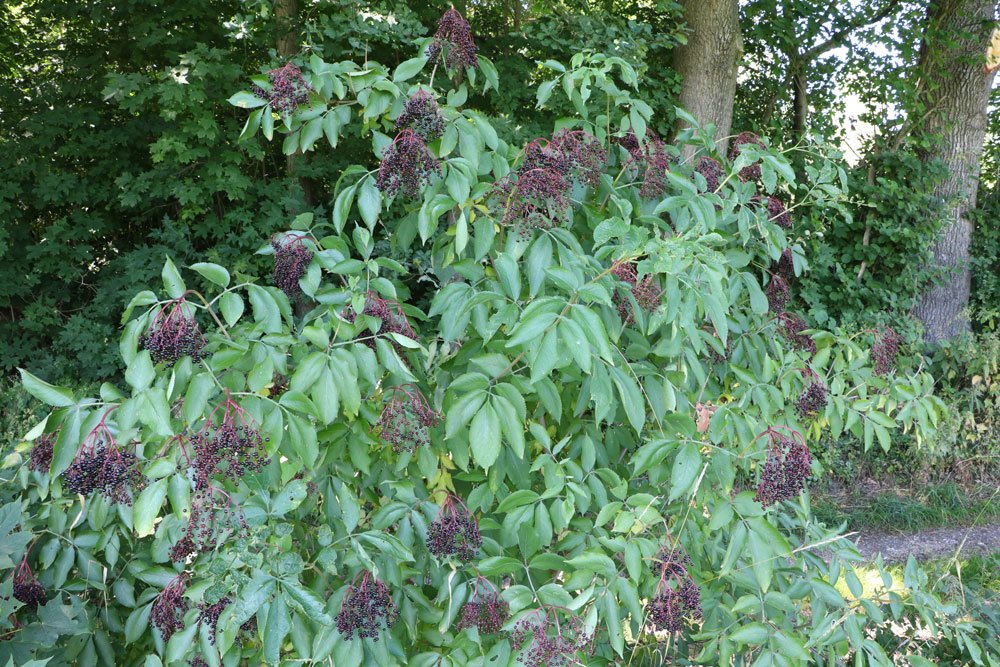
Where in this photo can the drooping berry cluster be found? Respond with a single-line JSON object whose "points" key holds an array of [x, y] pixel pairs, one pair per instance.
{"points": [[173, 334], [101, 465], [406, 419], [583, 155], [167, 613], [792, 327], [751, 172], [677, 598], [454, 532], [785, 266], [41, 453], [552, 637], [777, 213], [209, 614], [885, 350], [711, 170], [214, 515], [367, 608], [289, 90], [291, 261], [645, 292], [228, 442], [813, 399], [787, 466], [777, 293], [390, 313], [650, 157], [407, 165], [486, 610], [529, 199], [27, 588], [422, 115], [454, 39]]}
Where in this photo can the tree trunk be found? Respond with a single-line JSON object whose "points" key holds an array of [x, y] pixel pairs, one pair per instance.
{"points": [[954, 92], [287, 46], [800, 99], [708, 63]]}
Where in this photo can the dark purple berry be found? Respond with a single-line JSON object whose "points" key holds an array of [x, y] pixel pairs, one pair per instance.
{"points": [[41, 453], [531, 199], [792, 327], [777, 293], [421, 114], [486, 611], [167, 614], [291, 261], [776, 212], [651, 158], [390, 313], [453, 39], [711, 170], [751, 172], [406, 419], [454, 532], [407, 165], [552, 637], [786, 469], [289, 90], [367, 608], [228, 442], [101, 465], [885, 350], [27, 589], [785, 266], [173, 334], [214, 516], [646, 293], [812, 401]]}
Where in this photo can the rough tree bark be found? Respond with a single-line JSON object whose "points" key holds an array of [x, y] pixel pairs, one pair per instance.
{"points": [[708, 64], [954, 90]]}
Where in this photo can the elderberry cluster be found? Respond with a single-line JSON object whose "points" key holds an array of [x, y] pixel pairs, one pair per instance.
{"points": [[41, 453], [583, 155], [233, 447], [651, 157], [529, 199], [173, 334], [792, 327], [289, 89], [785, 266], [407, 165], [751, 172], [209, 519], [646, 293], [711, 171], [812, 401], [421, 114], [486, 611], [454, 532], [209, 614], [108, 469], [454, 38], [406, 419], [167, 613], [785, 471], [777, 213], [546, 641], [366, 609], [885, 350], [291, 261], [27, 588], [670, 607], [777, 292], [391, 315]]}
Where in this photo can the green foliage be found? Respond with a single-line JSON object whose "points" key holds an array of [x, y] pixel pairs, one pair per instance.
{"points": [[569, 431]]}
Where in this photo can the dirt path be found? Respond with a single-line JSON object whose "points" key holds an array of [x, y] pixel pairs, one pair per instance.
{"points": [[929, 544]]}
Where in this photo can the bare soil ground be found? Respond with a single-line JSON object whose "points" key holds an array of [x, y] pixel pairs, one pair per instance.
{"points": [[930, 544]]}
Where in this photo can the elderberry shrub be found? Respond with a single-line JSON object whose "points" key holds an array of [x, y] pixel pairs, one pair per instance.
{"points": [[407, 165], [650, 157], [546, 640], [785, 266], [777, 293], [792, 327], [230, 443], [41, 453], [101, 465], [711, 171], [209, 615], [27, 588], [786, 469], [289, 90], [583, 154], [422, 115], [167, 612], [406, 419], [812, 401], [544, 154], [291, 261], [885, 350], [486, 611], [671, 607], [366, 609], [453, 39], [751, 172], [454, 532], [173, 334]]}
